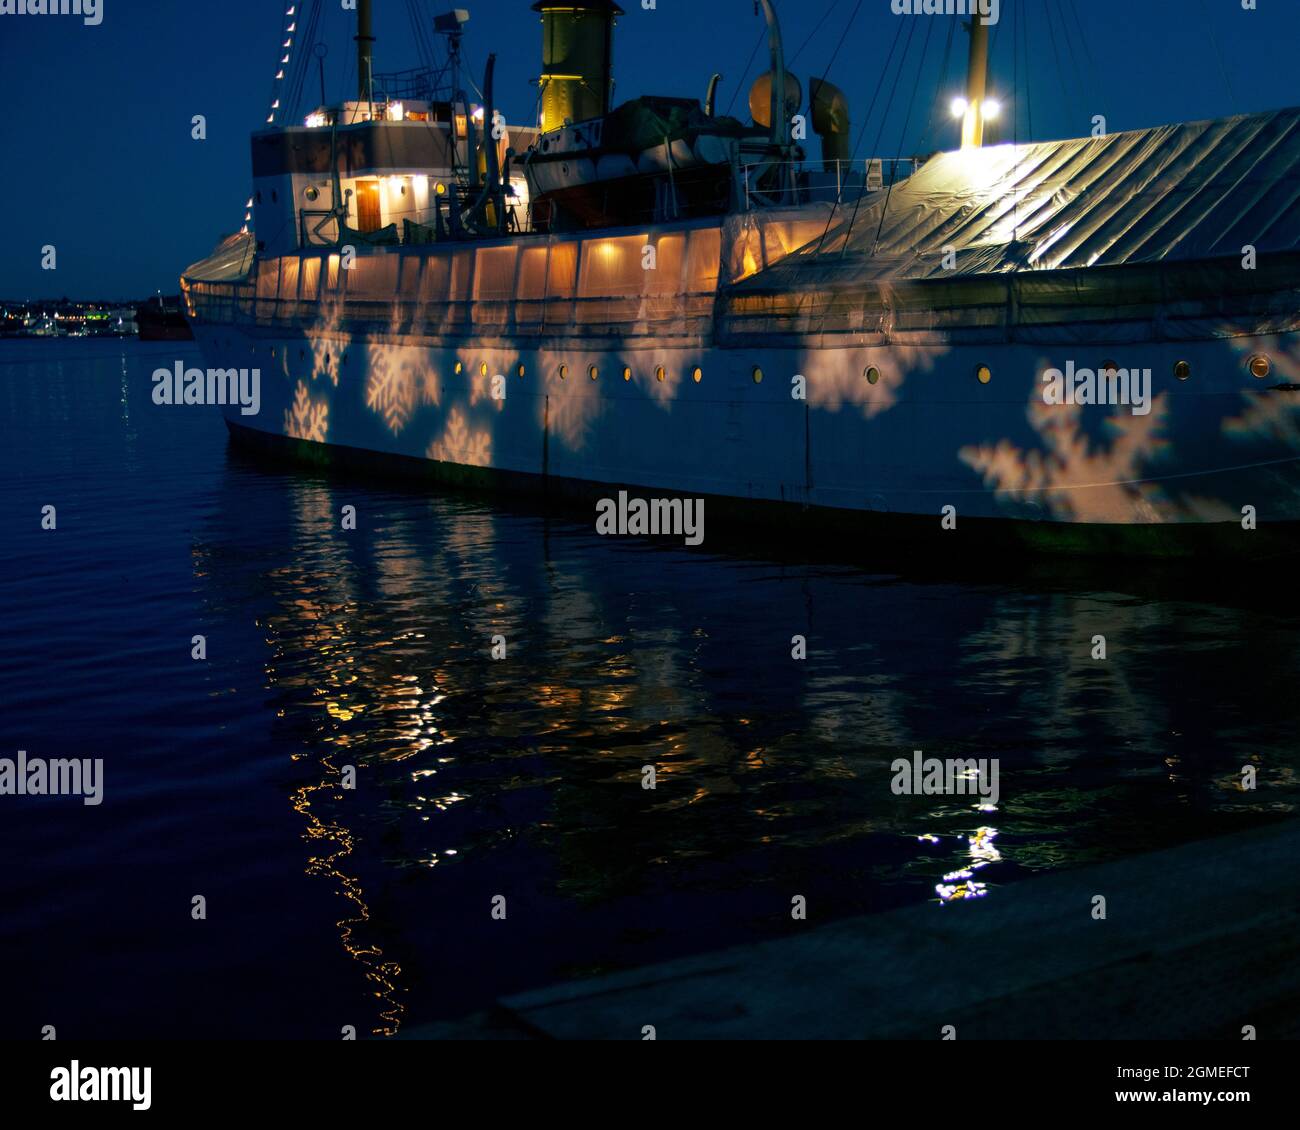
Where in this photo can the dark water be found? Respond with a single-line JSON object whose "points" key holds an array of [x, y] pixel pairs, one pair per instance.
{"points": [[522, 777]]}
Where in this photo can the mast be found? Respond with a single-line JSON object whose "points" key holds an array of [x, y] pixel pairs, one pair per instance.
{"points": [[972, 126], [365, 51], [780, 120]]}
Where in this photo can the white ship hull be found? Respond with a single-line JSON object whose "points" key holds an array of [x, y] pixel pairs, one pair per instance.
{"points": [[926, 437]]}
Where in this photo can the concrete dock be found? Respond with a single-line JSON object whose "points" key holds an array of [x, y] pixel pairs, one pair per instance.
{"points": [[1197, 943]]}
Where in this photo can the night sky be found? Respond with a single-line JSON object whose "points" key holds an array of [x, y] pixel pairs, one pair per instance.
{"points": [[96, 130]]}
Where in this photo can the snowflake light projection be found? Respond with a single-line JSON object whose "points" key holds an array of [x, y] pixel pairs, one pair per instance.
{"points": [[462, 444], [1074, 481], [399, 381], [307, 418]]}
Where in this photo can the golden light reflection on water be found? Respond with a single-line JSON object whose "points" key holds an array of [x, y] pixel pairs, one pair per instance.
{"points": [[381, 651], [331, 843]]}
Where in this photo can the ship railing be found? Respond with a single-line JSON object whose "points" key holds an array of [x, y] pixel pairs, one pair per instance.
{"points": [[676, 315], [831, 182]]}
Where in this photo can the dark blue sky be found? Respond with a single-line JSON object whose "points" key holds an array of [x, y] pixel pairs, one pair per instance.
{"points": [[96, 129]]}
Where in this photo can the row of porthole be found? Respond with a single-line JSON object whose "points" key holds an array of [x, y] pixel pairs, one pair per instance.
{"points": [[593, 372], [1259, 366]]}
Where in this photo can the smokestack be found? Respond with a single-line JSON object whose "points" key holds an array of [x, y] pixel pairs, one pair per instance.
{"points": [[365, 51], [577, 59]]}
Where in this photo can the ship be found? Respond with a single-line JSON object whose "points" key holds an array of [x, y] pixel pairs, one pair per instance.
{"points": [[162, 319], [1084, 346]]}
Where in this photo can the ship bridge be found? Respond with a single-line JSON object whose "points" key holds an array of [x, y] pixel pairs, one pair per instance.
{"points": [[371, 174]]}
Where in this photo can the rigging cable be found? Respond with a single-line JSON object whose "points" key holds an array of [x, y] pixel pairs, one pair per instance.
{"points": [[762, 32], [844, 35], [304, 57], [825, 15], [884, 118], [1218, 52], [1069, 103], [941, 88], [288, 27], [902, 140], [1029, 78], [880, 82], [1079, 66]]}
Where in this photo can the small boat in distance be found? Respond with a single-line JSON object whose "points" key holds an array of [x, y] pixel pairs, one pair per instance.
{"points": [[163, 319], [1089, 345]]}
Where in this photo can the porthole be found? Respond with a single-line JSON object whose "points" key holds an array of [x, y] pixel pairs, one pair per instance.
{"points": [[697, 374], [627, 373], [483, 369], [593, 372], [758, 375], [522, 370], [302, 355], [1108, 367], [1260, 366], [872, 375], [660, 374], [564, 372], [312, 193], [459, 368], [1182, 370], [983, 374]]}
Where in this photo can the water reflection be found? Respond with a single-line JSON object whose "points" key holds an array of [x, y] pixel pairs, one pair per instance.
{"points": [[523, 775]]}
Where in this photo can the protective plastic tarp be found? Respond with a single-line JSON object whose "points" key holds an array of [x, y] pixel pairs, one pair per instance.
{"points": [[1202, 190], [1144, 230], [230, 261]]}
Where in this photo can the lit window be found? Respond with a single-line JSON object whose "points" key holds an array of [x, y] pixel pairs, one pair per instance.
{"points": [[459, 367], [872, 374], [627, 373], [1260, 366], [660, 374], [1182, 370], [697, 374], [522, 370], [564, 372], [593, 372], [483, 369], [758, 375], [984, 374]]}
